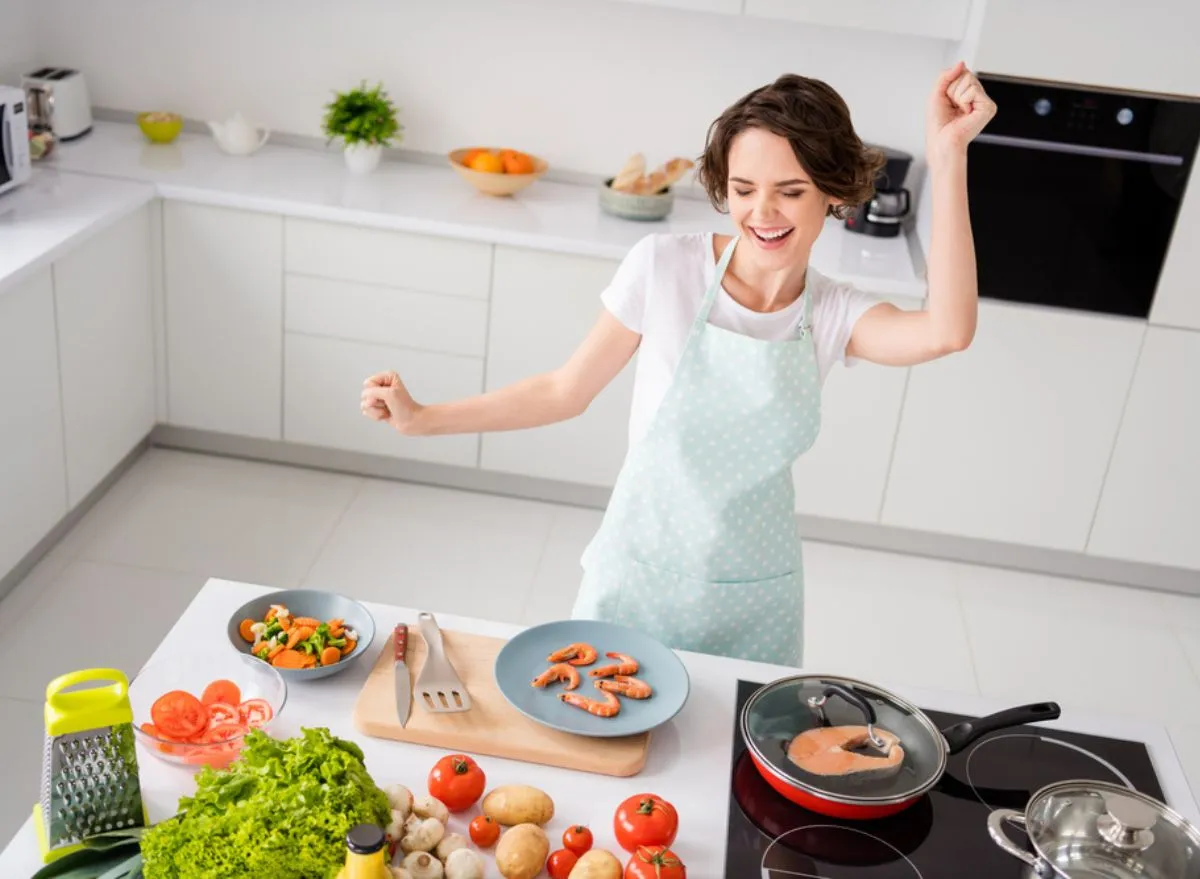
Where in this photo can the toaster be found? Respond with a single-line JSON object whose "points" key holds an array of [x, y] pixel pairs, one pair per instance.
{"points": [[58, 102]]}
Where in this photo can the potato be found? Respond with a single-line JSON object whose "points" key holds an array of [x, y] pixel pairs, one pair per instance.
{"points": [[522, 852], [515, 804], [596, 864]]}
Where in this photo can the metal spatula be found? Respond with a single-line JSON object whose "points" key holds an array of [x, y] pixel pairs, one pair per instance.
{"points": [[438, 689]]}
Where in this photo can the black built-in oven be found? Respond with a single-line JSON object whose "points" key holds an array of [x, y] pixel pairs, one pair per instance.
{"points": [[1074, 192]]}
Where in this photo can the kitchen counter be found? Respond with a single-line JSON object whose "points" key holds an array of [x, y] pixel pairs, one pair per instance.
{"points": [[433, 199], [689, 761], [54, 212]]}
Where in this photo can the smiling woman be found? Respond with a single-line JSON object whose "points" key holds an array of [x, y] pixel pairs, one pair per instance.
{"points": [[736, 334]]}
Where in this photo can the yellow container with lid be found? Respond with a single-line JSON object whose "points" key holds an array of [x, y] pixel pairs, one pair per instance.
{"points": [[366, 854]]}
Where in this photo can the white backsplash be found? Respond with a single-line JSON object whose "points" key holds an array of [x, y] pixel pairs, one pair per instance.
{"points": [[582, 83]]}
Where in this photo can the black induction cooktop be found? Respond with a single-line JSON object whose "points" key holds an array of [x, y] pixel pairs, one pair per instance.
{"points": [[944, 835]]}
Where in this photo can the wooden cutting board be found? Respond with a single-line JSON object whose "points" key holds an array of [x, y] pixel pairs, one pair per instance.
{"points": [[492, 726]]}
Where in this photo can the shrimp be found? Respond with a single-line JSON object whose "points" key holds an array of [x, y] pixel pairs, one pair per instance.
{"points": [[626, 665], [606, 708], [559, 672], [576, 654], [631, 688]]}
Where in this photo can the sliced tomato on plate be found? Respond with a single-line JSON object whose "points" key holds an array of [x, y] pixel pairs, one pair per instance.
{"points": [[224, 712], [255, 712], [179, 714], [222, 691]]}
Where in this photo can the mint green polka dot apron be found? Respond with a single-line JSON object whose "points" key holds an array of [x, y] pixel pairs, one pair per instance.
{"points": [[699, 546]]}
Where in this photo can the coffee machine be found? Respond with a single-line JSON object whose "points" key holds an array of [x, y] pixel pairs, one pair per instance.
{"points": [[883, 215]]}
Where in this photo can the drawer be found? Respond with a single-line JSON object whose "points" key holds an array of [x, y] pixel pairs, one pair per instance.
{"points": [[424, 263], [385, 316], [321, 401]]}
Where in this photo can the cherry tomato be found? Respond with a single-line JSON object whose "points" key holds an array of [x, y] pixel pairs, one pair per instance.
{"points": [[561, 863], [457, 781], [577, 839], [655, 862], [255, 712], [222, 691], [645, 819], [484, 831], [179, 714]]}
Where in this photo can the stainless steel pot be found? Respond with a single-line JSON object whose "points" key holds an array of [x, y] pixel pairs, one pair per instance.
{"points": [[1097, 830]]}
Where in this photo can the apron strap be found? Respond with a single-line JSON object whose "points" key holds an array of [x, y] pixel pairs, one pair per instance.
{"points": [[711, 295]]}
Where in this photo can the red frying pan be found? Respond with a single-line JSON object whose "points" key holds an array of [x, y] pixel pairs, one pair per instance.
{"points": [[792, 728]]}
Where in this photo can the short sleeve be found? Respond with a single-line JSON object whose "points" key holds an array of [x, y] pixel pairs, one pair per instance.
{"points": [[625, 296], [841, 307]]}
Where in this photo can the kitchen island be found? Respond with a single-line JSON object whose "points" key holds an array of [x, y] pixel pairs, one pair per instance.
{"points": [[689, 763]]}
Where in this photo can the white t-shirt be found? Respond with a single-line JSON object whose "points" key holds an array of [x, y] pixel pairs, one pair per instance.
{"points": [[657, 292]]}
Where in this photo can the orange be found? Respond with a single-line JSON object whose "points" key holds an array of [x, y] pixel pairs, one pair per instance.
{"points": [[470, 155], [516, 162], [487, 162]]}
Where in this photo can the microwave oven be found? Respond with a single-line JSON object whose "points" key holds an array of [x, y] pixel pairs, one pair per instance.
{"points": [[14, 139]]}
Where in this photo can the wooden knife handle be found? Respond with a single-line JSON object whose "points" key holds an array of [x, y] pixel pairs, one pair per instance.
{"points": [[401, 642]]}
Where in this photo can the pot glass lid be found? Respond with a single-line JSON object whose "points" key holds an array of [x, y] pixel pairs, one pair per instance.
{"points": [[843, 738], [1088, 828]]}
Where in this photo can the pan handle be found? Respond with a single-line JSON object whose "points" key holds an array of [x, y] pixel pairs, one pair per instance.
{"points": [[996, 830], [962, 734]]}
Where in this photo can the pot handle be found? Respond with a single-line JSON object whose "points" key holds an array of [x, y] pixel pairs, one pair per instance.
{"points": [[996, 830], [859, 701], [962, 734]]}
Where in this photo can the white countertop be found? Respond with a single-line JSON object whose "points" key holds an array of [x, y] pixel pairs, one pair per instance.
{"points": [[433, 199], [55, 212], [689, 761]]}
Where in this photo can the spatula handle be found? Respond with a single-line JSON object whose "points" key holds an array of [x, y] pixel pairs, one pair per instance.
{"points": [[432, 635]]}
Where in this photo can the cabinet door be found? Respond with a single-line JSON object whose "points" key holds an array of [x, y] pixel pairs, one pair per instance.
{"points": [[102, 291], [543, 304], [224, 292], [1148, 510], [942, 19], [1176, 303], [844, 474], [1009, 440], [33, 479], [322, 402]]}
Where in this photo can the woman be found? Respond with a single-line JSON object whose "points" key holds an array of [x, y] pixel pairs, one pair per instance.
{"points": [[698, 546]]}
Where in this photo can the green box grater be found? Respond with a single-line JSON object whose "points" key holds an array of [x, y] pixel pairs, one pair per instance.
{"points": [[89, 763]]}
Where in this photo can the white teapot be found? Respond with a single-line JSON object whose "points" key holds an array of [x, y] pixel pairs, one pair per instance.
{"points": [[237, 136]]}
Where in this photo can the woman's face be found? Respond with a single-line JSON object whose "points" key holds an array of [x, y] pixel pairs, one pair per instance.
{"points": [[772, 200]]}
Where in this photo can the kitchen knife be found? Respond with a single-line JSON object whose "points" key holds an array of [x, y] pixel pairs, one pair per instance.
{"points": [[403, 680]]}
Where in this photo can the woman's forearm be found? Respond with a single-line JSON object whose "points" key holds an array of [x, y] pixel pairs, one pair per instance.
{"points": [[953, 285], [531, 402]]}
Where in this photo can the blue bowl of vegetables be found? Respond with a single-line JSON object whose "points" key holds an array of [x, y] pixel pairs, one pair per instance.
{"points": [[304, 634]]}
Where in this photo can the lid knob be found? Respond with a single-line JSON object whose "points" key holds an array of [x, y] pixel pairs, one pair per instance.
{"points": [[1127, 822], [365, 839]]}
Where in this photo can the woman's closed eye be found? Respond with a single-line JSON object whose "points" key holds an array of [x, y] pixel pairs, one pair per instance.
{"points": [[745, 193]]}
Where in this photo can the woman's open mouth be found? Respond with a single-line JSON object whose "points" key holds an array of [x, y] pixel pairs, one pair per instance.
{"points": [[771, 238]]}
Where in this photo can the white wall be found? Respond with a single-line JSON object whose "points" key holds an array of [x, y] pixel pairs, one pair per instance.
{"points": [[17, 49], [581, 82]]}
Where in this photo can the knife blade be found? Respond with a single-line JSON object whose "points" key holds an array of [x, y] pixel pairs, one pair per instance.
{"points": [[403, 679]]}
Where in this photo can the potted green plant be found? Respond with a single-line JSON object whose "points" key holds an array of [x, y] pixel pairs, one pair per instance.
{"points": [[365, 119]]}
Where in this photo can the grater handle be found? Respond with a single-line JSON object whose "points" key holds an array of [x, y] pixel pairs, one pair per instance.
{"points": [[119, 688], [89, 708]]}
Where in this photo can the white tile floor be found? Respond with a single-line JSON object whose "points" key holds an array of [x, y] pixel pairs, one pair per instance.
{"points": [[110, 590]]}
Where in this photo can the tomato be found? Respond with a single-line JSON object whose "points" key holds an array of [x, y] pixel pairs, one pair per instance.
{"points": [[561, 863], [223, 732], [655, 862], [179, 714], [255, 712], [577, 839], [645, 819], [224, 712], [222, 691], [457, 781], [484, 831]]}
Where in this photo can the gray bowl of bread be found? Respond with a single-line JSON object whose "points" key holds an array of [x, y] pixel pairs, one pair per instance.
{"points": [[635, 195]]}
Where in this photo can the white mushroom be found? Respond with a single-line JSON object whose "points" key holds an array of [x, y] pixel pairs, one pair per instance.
{"points": [[423, 837], [450, 843], [396, 828], [423, 865], [464, 864], [431, 807], [400, 799]]}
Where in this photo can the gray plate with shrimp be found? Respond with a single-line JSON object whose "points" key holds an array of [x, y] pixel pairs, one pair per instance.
{"points": [[592, 678]]}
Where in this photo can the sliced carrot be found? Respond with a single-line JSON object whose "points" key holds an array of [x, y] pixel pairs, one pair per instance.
{"points": [[298, 634], [307, 621], [330, 655], [286, 623], [270, 615], [310, 661], [349, 648], [275, 651], [244, 629], [288, 659]]}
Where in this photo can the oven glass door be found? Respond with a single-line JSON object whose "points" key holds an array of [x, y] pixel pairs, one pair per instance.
{"points": [[7, 147]]}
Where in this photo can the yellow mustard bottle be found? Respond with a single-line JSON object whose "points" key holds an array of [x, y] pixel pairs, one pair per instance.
{"points": [[366, 854]]}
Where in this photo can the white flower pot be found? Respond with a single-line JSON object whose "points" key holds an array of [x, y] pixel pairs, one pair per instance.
{"points": [[362, 158]]}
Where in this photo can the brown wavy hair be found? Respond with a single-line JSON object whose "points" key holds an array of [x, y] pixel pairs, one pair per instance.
{"points": [[816, 122]]}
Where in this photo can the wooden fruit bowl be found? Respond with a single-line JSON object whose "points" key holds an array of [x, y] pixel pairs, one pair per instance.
{"points": [[495, 182]]}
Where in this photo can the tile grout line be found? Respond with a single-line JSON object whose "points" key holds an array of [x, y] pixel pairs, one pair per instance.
{"points": [[362, 484], [962, 615], [537, 568]]}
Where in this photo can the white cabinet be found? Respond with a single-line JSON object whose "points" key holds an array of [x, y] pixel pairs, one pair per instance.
{"points": [[224, 318], [942, 19], [844, 474], [102, 293], [1009, 440], [727, 7], [33, 479], [543, 304], [1150, 508]]}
